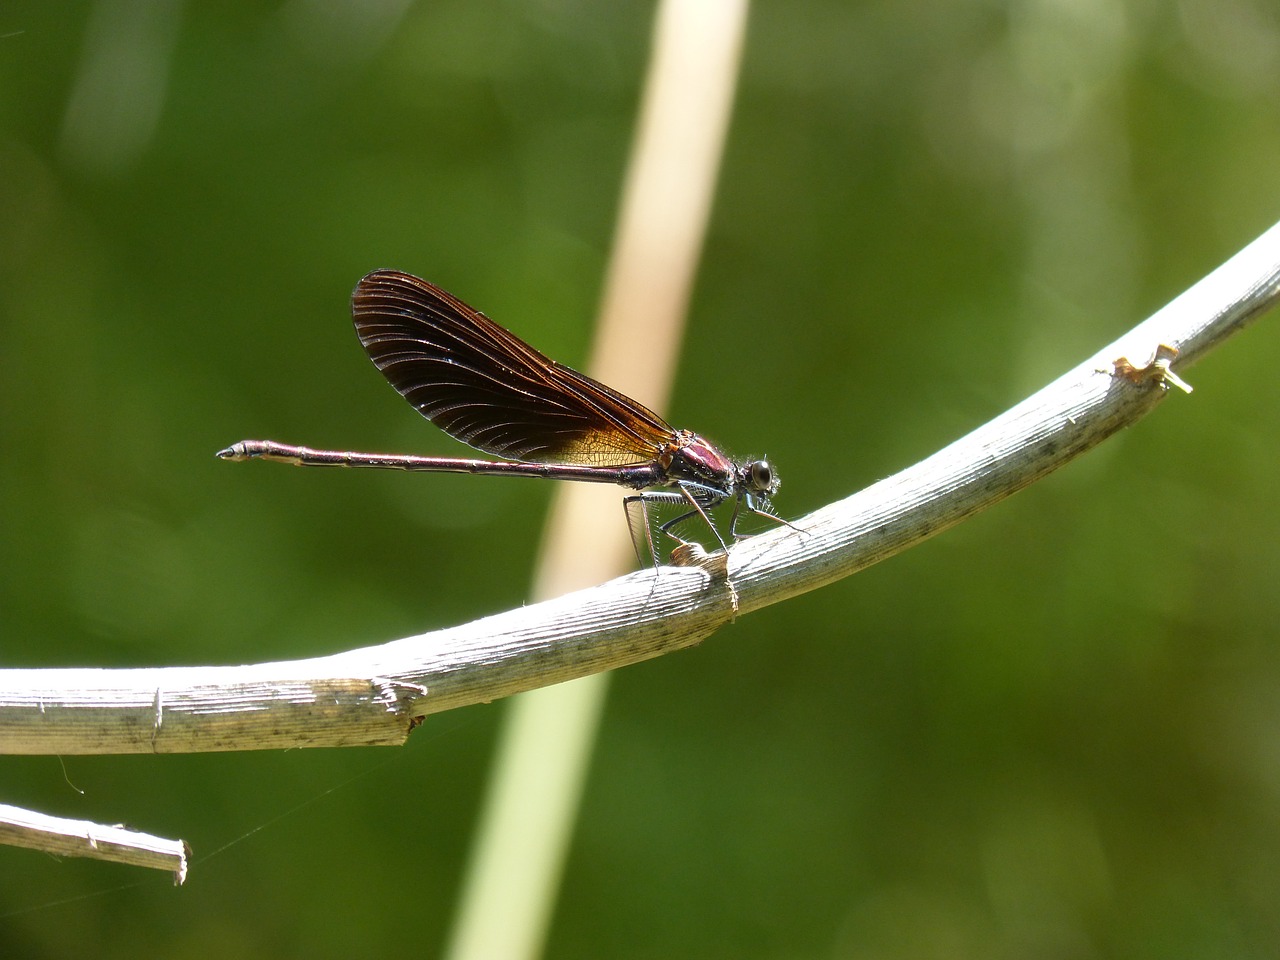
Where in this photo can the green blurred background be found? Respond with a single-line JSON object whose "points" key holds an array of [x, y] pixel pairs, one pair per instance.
{"points": [[1052, 732]]}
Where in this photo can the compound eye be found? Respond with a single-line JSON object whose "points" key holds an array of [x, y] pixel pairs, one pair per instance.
{"points": [[760, 476]]}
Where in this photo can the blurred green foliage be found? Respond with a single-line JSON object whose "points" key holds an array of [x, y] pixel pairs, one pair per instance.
{"points": [[1052, 732]]}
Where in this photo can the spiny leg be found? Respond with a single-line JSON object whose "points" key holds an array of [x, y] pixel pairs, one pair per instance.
{"points": [[686, 493], [640, 501], [639, 527], [758, 511]]}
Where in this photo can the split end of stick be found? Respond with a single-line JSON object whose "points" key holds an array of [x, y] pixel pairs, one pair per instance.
{"points": [[1157, 370]]}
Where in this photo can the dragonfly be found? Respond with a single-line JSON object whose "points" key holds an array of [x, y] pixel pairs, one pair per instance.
{"points": [[484, 386]]}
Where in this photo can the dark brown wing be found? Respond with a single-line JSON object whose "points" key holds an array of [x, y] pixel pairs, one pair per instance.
{"points": [[488, 388]]}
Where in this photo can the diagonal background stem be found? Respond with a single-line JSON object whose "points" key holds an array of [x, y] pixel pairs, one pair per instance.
{"points": [[542, 759]]}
